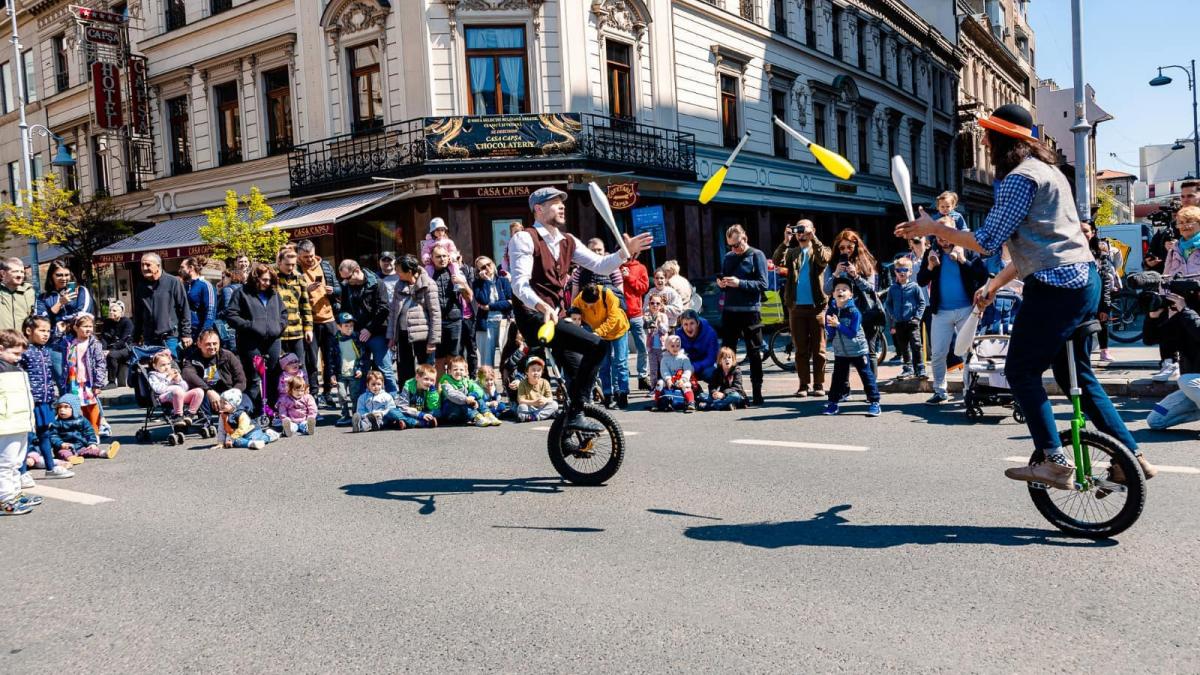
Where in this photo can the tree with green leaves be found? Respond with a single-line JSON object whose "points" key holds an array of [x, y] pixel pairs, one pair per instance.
{"points": [[56, 217], [1106, 209], [240, 228]]}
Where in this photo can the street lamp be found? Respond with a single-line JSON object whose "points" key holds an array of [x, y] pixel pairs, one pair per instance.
{"points": [[1161, 80], [61, 157]]}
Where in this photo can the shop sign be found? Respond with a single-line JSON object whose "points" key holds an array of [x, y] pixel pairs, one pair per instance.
{"points": [[501, 136], [310, 231], [622, 196], [103, 36], [106, 83], [487, 192], [651, 219], [89, 14], [139, 102]]}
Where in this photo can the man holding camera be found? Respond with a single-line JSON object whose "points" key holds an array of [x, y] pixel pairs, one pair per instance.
{"points": [[803, 259]]}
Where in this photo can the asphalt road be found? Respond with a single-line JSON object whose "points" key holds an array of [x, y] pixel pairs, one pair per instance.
{"points": [[460, 550]]}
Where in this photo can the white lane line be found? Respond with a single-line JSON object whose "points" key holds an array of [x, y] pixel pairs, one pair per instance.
{"points": [[68, 495], [1165, 468], [627, 433], [800, 444]]}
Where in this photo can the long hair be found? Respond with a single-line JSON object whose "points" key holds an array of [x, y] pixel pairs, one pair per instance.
{"points": [[1008, 152], [862, 259], [49, 285]]}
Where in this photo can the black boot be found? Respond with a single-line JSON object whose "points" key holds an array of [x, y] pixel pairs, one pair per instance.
{"points": [[622, 401], [643, 384], [608, 402], [576, 421]]}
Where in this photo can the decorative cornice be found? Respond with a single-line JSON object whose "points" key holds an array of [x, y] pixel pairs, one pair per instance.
{"points": [[723, 54]]}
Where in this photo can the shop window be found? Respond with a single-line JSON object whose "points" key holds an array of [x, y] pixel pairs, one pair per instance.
{"points": [[496, 70], [366, 91], [779, 109], [62, 66], [730, 128], [620, 88], [179, 119], [229, 124], [279, 110]]}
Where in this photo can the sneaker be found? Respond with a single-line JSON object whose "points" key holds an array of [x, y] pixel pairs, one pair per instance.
{"points": [[14, 507], [1116, 475], [289, 427], [1169, 370], [480, 421], [937, 399], [373, 423], [177, 424], [1050, 473], [873, 409], [27, 482], [59, 471], [691, 408], [493, 420], [906, 373], [29, 500], [818, 392], [113, 449], [272, 435], [830, 409], [256, 445], [358, 423], [844, 397], [1105, 355], [579, 422], [312, 425], [802, 392], [344, 422], [921, 375]]}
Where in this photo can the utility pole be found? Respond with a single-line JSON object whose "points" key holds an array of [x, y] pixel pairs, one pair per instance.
{"points": [[23, 125], [1081, 128]]}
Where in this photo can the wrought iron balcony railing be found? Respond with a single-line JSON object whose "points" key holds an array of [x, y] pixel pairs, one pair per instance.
{"points": [[399, 150]]}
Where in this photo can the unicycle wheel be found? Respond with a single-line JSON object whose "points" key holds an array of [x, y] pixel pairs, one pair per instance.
{"points": [[1101, 508], [587, 458]]}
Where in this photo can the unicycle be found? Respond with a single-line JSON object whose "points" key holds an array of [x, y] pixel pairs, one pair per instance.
{"points": [[1095, 506]]}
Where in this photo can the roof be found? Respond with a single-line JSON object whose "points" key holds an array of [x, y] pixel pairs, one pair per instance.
{"points": [[176, 232], [1109, 174], [330, 211]]}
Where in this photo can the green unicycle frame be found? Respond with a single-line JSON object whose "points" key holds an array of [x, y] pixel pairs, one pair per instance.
{"points": [[1083, 460]]}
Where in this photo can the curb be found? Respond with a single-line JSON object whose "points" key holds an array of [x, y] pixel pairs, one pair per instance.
{"points": [[1125, 387]]}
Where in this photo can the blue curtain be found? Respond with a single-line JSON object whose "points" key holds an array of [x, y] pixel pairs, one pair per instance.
{"points": [[495, 38], [512, 82], [483, 87]]}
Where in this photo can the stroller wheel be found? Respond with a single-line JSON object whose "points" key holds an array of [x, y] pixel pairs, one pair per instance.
{"points": [[212, 431], [178, 438], [203, 432], [171, 440], [1018, 415], [974, 413], [142, 435]]}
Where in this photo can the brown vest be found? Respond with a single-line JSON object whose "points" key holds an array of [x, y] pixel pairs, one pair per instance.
{"points": [[550, 277]]}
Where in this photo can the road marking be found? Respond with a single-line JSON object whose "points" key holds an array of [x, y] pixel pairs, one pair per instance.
{"points": [[800, 444], [1164, 468], [627, 433], [68, 495]]}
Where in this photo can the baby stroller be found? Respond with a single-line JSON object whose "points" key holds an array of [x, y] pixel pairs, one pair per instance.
{"points": [[999, 317], [159, 413], [268, 418], [983, 377]]}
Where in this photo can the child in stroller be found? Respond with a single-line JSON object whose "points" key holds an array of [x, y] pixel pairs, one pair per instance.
{"points": [[983, 377], [159, 412]]}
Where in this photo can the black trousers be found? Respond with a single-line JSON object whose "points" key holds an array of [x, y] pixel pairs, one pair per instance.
{"points": [[745, 326], [248, 348], [907, 341], [578, 353], [324, 344], [467, 346], [408, 356]]}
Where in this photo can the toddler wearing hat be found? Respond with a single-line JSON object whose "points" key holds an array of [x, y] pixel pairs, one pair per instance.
{"points": [[439, 235], [237, 429], [291, 366], [844, 335]]}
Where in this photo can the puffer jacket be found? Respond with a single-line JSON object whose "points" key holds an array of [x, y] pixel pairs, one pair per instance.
{"points": [[77, 431], [16, 405], [848, 339], [16, 306], [417, 307], [605, 316], [44, 367]]}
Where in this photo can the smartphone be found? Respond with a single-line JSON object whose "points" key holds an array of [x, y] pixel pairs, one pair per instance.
{"points": [[843, 259], [70, 286]]}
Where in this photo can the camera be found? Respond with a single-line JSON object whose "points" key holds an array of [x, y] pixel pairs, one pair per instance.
{"points": [[1165, 217], [1153, 289]]}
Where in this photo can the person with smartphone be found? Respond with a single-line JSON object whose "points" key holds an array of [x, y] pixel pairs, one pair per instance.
{"points": [[63, 299], [803, 259]]}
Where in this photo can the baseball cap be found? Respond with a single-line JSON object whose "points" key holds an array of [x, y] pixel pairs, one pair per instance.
{"points": [[345, 317], [387, 255], [545, 194]]}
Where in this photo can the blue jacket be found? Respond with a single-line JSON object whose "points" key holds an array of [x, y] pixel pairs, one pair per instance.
{"points": [[44, 367], [751, 269], [905, 304], [973, 272], [202, 298], [77, 431], [97, 365], [503, 304], [702, 349], [848, 338], [84, 303]]}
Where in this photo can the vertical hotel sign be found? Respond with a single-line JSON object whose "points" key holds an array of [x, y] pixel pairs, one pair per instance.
{"points": [[139, 101], [106, 90]]}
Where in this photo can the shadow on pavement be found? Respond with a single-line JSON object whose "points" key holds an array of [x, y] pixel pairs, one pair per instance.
{"points": [[830, 529], [573, 530], [672, 512], [426, 491]]}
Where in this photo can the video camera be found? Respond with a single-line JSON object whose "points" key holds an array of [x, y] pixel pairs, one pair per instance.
{"points": [[1164, 217], [1152, 290]]}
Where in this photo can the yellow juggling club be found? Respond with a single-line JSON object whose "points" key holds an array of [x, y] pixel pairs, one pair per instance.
{"points": [[545, 334], [713, 185], [834, 163]]}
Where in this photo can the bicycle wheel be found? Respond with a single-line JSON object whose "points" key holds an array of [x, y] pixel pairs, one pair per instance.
{"points": [[1125, 325], [1102, 508], [781, 349], [586, 458], [879, 347]]}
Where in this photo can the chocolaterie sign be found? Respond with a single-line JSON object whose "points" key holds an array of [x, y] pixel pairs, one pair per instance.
{"points": [[502, 136]]}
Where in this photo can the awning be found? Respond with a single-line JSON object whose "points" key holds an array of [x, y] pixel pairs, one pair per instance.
{"points": [[332, 211]]}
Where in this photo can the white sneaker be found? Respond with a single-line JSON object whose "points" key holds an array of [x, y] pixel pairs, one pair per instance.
{"points": [[59, 471], [289, 427], [1169, 370], [256, 445], [27, 482], [364, 423]]}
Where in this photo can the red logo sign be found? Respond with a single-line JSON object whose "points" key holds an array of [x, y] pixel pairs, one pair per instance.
{"points": [[106, 85], [89, 14], [139, 103], [622, 196], [102, 35]]}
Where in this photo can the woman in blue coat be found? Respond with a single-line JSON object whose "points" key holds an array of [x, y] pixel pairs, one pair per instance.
{"points": [[493, 305], [62, 299]]}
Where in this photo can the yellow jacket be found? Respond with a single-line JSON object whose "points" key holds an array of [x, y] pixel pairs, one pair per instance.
{"points": [[605, 316], [16, 403]]}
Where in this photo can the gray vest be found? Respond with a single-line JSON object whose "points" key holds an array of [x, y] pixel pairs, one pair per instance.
{"points": [[1051, 235]]}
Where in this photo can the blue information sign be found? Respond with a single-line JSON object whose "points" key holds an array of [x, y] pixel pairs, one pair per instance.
{"points": [[650, 219]]}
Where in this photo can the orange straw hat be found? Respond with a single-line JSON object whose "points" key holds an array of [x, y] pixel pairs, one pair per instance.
{"points": [[1011, 120]]}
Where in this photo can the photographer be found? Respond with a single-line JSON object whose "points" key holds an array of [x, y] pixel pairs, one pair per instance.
{"points": [[1179, 322], [1182, 257], [804, 258]]}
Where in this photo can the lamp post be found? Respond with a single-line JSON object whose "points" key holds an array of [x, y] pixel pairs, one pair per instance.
{"points": [[61, 157], [1162, 80], [1083, 186]]}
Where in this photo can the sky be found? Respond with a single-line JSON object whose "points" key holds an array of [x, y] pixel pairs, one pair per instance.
{"points": [[1124, 43]]}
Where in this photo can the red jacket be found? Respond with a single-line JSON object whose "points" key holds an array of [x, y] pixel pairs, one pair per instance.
{"points": [[637, 283]]}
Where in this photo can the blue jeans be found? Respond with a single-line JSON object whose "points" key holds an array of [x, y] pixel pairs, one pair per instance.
{"points": [[840, 382], [172, 344], [381, 357], [615, 367], [728, 402], [488, 341], [637, 334], [43, 415], [255, 435], [1048, 316], [455, 413]]}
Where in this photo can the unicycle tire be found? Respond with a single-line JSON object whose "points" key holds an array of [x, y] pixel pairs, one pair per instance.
{"points": [[583, 458], [1081, 512]]}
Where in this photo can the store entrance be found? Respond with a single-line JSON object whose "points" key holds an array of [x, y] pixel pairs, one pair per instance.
{"points": [[493, 228]]}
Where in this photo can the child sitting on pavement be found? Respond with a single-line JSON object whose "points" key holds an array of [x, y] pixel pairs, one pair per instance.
{"points": [[462, 396], [298, 409], [237, 429], [349, 372], [844, 335], [419, 400], [168, 386], [676, 385], [725, 390], [376, 408], [905, 306], [535, 401], [73, 437], [495, 399], [38, 363]]}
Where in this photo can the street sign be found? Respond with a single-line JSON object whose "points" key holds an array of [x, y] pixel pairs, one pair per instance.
{"points": [[651, 219], [102, 35]]}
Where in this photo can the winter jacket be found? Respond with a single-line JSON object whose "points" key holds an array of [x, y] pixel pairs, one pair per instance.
{"points": [[374, 403], [349, 357], [324, 302], [1176, 265], [498, 307], [202, 298], [973, 272], [365, 303], [84, 303], [16, 404], [220, 373], [726, 382], [905, 304], [160, 382], [751, 269], [292, 291], [44, 367], [457, 391], [117, 334], [788, 257], [413, 401], [416, 309], [16, 306], [447, 296], [605, 316], [160, 310], [77, 430], [234, 425], [255, 322], [703, 348], [635, 283], [672, 365], [297, 409], [848, 339], [97, 365]]}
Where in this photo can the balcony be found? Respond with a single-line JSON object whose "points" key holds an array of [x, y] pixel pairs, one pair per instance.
{"points": [[410, 148]]}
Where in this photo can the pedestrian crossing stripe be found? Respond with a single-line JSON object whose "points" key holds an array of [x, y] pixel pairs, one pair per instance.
{"points": [[68, 495]]}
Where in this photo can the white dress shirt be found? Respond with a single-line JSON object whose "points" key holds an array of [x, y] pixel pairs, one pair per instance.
{"points": [[520, 258]]}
